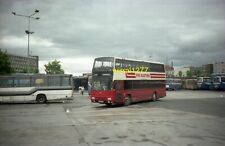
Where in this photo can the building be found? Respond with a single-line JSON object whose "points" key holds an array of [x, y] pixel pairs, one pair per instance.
{"points": [[169, 71], [22, 64], [219, 68], [82, 81], [207, 69], [196, 72], [181, 71]]}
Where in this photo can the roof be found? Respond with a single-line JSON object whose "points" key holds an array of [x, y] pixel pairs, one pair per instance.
{"points": [[130, 59], [169, 68]]}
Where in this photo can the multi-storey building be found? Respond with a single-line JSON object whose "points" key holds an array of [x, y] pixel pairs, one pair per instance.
{"points": [[181, 71], [219, 68], [207, 69], [21, 63]]}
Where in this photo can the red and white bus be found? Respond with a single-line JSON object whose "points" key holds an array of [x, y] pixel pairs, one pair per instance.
{"points": [[123, 81]]}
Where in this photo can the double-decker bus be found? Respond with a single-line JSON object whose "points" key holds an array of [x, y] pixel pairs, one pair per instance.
{"points": [[35, 87], [123, 81]]}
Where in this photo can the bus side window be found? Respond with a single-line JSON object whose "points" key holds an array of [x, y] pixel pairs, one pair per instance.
{"points": [[24, 82], [6, 82], [39, 82], [118, 65], [65, 81], [54, 81], [223, 79]]}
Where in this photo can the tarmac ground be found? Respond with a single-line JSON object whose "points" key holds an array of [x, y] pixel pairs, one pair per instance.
{"points": [[184, 118]]}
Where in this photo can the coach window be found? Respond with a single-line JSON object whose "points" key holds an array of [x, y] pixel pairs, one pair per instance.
{"points": [[6, 82], [65, 81], [24, 82], [222, 79], [38, 82], [54, 81], [118, 64]]}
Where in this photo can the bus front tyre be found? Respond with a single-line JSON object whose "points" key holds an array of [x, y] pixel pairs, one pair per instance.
{"points": [[127, 101], [108, 104], [41, 98]]}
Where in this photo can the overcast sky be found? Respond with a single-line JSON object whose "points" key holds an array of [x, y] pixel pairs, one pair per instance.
{"points": [[187, 32]]}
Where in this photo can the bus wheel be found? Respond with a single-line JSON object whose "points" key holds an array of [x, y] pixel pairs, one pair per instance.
{"points": [[127, 101], [108, 104], [154, 97], [41, 98]]}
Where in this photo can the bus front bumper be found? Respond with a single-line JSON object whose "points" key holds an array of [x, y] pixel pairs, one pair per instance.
{"points": [[102, 101]]}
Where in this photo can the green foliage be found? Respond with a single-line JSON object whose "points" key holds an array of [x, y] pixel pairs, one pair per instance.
{"points": [[30, 70], [25, 70], [198, 73], [189, 74], [53, 67], [5, 67], [180, 73], [36, 70]]}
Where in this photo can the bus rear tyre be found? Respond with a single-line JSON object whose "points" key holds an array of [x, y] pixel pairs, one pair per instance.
{"points": [[154, 97], [127, 101], [41, 98]]}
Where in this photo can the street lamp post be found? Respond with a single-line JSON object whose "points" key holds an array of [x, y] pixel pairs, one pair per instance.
{"points": [[28, 32]]}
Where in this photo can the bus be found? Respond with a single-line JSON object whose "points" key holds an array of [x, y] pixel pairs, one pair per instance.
{"points": [[35, 87], [190, 84], [204, 83], [219, 82], [173, 84], [117, 81]]}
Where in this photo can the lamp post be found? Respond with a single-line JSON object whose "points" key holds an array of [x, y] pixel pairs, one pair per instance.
{"points": [[28, 32]]}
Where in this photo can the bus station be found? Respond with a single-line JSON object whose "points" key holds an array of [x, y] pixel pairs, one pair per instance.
{"points": [[112, 73], [126, 104]]}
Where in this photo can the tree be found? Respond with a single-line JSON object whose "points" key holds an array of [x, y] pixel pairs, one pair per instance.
{"points": [[199, 73], [180, 73], [30, 70], [53, 67], [189, 74], [5, 67]]}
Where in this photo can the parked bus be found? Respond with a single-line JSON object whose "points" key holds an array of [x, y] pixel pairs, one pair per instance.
{"points": [[123, 81], [37, 87], [219, 82], [190, 84], [204, 83], [173, 84]]}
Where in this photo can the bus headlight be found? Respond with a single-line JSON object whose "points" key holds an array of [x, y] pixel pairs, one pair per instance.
{"points": [[109, 99], [93, 98]]}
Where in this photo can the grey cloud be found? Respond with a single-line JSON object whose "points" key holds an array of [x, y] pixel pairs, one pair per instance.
{"points": [[188, 32]]}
